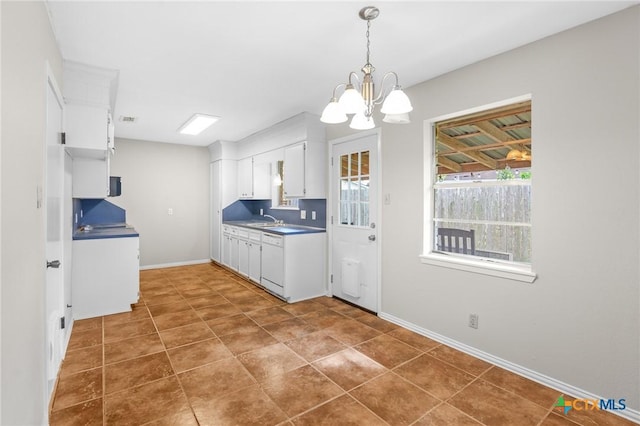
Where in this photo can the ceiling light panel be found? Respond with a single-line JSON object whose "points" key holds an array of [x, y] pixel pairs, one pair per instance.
{"points": [[197, 124]]}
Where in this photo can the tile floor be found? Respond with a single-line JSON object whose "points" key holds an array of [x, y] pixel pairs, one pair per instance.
{"points": [[206, 347]]}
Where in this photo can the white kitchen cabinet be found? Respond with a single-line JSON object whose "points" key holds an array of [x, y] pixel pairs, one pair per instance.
{"points": [[293, 178], [87, 127], [90, 177], [255, 256], [254, 180], [262, 181], [245, 178], [225, 257], [230, 247], [304, 170], [223, 192], [243, 251], [293, 266], [89, 139], [105, 276]]}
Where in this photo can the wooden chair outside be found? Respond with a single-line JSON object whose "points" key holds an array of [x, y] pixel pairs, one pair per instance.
{"points": [[456, 240]]}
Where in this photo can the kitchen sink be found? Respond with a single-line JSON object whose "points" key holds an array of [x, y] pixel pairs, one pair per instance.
{"points": [[266, 224]]}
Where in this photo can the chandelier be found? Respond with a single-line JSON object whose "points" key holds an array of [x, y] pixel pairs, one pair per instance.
{"points": [[360, 99]]}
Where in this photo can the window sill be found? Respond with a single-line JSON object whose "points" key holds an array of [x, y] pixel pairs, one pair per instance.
{"points": [[285, 208], [484, 267]]}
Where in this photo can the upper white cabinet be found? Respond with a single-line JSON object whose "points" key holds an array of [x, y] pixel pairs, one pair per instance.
{"points": [[90, 178], [262, 181], [89, 93], [89, 139], [293, 176], [245, 178], [304, 175], [254, 180], [88, 128]]}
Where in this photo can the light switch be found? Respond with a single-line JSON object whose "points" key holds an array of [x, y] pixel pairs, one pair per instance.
{"points": [[313, 215], [303, 214], [170, 212], [387, 199]]}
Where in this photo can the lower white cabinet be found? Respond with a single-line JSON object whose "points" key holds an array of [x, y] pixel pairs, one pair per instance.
{"points": [[255, 256], [105, 277], [289, 266], [293, 266], [241, 251]]}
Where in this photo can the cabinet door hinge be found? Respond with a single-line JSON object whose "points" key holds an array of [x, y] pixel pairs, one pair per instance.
{"points": [[63, 138]]}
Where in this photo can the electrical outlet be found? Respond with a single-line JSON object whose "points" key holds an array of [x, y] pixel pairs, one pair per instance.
{"points": [[303, 214], [170, 211], [261, 212], [473, 320], [313, 215]]}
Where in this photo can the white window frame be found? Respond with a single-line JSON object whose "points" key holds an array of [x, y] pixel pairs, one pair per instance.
{"points": [[483, 266]]}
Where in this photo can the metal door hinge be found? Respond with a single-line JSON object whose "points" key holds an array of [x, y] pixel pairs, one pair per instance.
{"points": [[62, 323], [331, 278], [63, 138]]}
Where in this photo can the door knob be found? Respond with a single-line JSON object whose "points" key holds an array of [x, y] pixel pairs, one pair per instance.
{"points": [[53, 264], [372, 237]]}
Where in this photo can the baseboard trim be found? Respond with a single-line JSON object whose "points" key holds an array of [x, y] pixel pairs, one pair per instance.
{"points": [[174, 264], [629, 414]]}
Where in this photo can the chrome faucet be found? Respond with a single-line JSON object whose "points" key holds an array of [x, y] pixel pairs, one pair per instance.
{"points": [[274, 219]]}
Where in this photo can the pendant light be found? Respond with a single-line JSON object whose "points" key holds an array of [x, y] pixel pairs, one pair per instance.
{"points": [[359, 98]]}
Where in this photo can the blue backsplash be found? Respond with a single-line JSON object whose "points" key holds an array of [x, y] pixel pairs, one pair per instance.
{"points": [[250, 210], [97, 212]]}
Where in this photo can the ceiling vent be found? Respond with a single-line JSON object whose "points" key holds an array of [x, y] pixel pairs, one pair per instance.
{"points": [[128, 119]]}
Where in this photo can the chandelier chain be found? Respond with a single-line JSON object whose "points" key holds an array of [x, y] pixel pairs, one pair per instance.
{"points": [[368, 41]]}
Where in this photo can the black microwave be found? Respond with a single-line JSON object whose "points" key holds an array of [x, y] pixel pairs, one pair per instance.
{"points": [[115, 186]]}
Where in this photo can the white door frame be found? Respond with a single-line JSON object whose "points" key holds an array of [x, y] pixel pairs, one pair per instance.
{"points": [[52, 85], [330, 202]]}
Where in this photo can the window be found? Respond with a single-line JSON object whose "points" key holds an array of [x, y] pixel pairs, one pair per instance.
{"points": [[280, 201], [354, 189], [479, 190]]}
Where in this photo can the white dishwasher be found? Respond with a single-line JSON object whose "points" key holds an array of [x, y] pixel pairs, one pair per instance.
{"points": [[273, 263]]}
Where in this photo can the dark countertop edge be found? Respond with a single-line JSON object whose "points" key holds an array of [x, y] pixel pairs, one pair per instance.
{"points": [[100, 232], [79, 236], [247, 224]]}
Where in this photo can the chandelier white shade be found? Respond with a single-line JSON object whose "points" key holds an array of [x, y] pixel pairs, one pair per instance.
{"points": [[360, 99]]}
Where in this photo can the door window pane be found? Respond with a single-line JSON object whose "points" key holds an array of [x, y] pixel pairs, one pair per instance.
{"points": [[354, 189]]}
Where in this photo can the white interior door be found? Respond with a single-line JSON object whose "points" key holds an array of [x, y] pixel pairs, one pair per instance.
{"points": [[354, 210], [54, 196]]}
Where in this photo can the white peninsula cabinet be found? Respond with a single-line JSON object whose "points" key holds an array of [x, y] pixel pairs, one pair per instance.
{"points": [[105, 276]]}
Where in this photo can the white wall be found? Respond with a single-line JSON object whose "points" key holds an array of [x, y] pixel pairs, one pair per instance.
{"points": [[579, 322], [27, 42], [155, 178]]}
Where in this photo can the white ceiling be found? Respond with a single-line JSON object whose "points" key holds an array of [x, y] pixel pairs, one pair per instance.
{"points": [[257, 63]]}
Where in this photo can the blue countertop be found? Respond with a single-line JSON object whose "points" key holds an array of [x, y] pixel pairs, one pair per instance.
{"points": [[285, 229], [112, 230]]}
